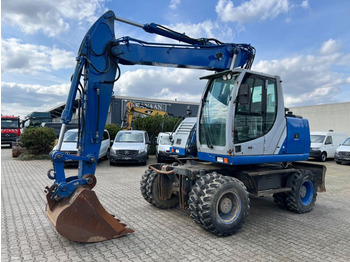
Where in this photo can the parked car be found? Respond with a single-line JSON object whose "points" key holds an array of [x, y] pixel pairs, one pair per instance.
{"points": [[163, 153], [342, 154], [130, 146], [69, 144], [57, 126], [324, 144]]}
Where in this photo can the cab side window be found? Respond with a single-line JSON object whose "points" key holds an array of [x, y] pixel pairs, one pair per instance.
{"points": [[255, 117], [105, 135], [329, 140]]}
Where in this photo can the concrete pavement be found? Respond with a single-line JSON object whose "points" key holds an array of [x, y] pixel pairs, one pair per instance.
{"points": [[269, 234]]}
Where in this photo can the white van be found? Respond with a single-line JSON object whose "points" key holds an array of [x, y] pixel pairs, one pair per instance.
{"points": [[69, 145], [342, 154], [324, 144], [130, 146], [163, 148]]}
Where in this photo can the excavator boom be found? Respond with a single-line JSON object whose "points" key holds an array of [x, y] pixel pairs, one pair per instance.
{"points": [[72, 206]]}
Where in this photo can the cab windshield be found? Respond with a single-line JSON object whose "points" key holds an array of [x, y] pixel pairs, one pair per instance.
{"points": [[9, 123], [164, 140], [346, 142], [212, 124], [71, 136], [317, 138], [129, 137]]}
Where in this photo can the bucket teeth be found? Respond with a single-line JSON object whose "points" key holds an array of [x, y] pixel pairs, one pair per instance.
{"points": [[82, 218]]}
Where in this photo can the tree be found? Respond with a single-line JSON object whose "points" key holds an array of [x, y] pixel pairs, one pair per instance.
{"points": [[113, 129], [153, 125], [38, 140]]}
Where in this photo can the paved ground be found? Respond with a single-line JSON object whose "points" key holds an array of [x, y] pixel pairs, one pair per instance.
{"points": [[270, 234]]}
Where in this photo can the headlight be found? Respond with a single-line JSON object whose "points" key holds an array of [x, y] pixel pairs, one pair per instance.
{"points": [[142, 150], [315, 148], [161, 149], [113, 150]]}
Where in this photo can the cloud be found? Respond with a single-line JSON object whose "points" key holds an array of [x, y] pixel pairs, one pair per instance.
{"points": [[48, 16], [30, 98], [165, 83], [253, 10], [56, 90], [310, 79], [305, 4], [30, 59], [207, 29], [174, 3], [330, 47]]}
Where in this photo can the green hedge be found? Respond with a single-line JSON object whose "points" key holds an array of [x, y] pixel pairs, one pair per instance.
{"points": [[113, 129], [153, 125], [38, 140]]}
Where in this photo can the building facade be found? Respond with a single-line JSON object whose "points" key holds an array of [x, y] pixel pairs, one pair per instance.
{"points": [[117, 109], [334, 117]]}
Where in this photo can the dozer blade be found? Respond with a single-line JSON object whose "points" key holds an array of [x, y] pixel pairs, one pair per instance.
{"points": [[82, 218]]}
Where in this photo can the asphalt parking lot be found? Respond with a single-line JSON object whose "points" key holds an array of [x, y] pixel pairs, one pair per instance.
{"points": [[269, 234]]}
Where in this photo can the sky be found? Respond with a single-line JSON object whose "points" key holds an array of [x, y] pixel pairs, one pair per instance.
{"points": [[306, 42]]}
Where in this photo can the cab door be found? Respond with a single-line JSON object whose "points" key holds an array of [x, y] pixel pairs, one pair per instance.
{"points": [[105, 144], [255, 129], [329, 147], [249, 117]]}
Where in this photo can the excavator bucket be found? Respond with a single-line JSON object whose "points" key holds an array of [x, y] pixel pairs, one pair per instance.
{"points": [[82, 218]]}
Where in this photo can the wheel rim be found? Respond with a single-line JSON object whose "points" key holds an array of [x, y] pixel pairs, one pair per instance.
{"points": [[306, 192], [228, 207]]}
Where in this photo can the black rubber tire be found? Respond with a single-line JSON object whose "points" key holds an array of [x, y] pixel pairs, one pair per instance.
{"points": [[196, 193], [301, 199], [323, 157], [143, 185], [280, 200], [221, 205], [338, 162], [152, 188]]}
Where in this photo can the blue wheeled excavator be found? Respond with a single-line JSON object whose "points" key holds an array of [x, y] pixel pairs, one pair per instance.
{"points": [[246, 141]]}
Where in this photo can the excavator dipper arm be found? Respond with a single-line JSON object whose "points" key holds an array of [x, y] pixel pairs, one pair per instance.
{"points": [[72, 206]]}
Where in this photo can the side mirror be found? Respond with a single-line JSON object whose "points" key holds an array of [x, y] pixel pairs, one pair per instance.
{"points": [[243, 94]]}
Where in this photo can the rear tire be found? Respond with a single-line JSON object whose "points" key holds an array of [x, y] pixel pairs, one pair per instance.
{"points": [[302, 198], [143, 185], [223, 204], [152, 189]]}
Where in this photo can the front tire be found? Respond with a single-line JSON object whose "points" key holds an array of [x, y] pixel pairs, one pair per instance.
{"points": [[223, 204], [301, 199], [323, 157]]}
